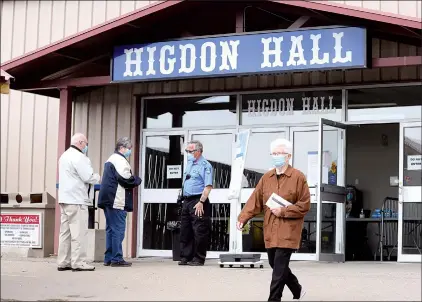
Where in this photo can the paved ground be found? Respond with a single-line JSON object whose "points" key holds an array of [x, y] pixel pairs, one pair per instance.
{"points": [[160, 279]]}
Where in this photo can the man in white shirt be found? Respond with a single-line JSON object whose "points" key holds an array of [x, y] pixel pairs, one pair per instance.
{"points": [[75, 177]]}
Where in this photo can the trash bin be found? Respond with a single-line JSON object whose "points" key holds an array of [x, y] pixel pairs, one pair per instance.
{"points": [[174, 227]]}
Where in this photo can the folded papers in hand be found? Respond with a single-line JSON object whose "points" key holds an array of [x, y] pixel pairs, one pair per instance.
{"points": [[276, 201]]}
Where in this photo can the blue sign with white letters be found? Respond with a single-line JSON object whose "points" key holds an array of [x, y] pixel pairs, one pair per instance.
{"points": [[300, 50]]}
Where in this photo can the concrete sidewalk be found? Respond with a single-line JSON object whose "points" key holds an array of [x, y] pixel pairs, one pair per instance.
{"points": [[161, 279]]}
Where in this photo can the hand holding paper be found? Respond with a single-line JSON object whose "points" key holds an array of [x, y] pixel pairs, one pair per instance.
{"points": [[276, 201]]}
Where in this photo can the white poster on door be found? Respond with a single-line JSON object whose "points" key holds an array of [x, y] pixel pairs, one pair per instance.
{"points": [[414, 162], [174, 171], [238, 164]]}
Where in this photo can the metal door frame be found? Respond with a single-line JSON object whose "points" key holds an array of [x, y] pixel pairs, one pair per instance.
{"points": [[332, 192], [220, 195], [403, 196], [143, 194]]}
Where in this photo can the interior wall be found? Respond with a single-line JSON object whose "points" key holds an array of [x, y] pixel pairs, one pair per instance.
{"points": [[370, 163]]}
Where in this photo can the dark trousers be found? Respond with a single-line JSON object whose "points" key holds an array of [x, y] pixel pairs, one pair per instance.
{"points": [[115, 233], [279, 259], [194, 230]]}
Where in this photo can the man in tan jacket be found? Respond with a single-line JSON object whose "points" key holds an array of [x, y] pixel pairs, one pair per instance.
{"points": [[282, 226]]}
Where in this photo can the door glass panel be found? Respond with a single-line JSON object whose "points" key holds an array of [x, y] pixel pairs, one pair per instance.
{"points": [[328, 228], [412, 228], [218, 151], [253, 236], [258, 159], [161, 152], [156, 236], [305, 154], [412, 173]]}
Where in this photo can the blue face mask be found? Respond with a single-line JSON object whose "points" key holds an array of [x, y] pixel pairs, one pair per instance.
{"points": [[279, 160], [85, 150], [127, 153], [191, 157]]}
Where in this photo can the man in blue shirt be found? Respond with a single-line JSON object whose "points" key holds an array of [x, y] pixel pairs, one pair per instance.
{"points": [[196, 208]]}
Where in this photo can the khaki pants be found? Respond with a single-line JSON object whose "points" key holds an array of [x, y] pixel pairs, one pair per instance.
{"points": [[73, 233]]}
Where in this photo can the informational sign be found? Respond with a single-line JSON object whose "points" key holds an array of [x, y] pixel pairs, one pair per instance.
{"points": [[414, 162], [21, 230], [280, 51], [238, 165], [174, 171]]}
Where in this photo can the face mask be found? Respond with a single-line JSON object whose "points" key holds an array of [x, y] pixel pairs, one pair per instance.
{"points": [[85, 150], [191, 157], [279, 161], [128, 153]]}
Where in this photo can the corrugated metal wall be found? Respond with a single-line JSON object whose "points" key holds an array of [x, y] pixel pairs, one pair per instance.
{"points": [[410, 8], [26, 26], [107, 114]]}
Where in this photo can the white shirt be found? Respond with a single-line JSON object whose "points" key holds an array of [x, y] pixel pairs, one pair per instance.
{"points": [[75, 176]]}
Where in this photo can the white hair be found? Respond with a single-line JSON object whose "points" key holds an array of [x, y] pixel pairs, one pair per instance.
{"points": [[282, 142], [76, 138]]}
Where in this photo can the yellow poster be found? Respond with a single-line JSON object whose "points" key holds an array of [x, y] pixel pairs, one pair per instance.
{"points": [[5, 88]]}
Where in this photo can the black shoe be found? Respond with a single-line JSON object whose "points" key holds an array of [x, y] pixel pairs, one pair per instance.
{"points": [[107, 263], [64, 268], [196, 263], [121, 264], [183, 262]]}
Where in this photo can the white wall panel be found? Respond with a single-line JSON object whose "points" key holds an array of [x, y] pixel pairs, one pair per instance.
{"points": [[71, 18], [113, 9], [409, 8], [85, 15], [44, 24], [99, 12], [19, 20], [57, 28], [31, 33]]}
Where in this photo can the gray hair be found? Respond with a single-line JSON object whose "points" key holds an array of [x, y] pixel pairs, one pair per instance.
{"points": [[124, 142], [198, 145], [282, 142], [76, 138]]}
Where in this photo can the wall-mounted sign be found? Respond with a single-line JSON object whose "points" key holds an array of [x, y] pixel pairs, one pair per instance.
{"points": [[307, 49], [21, 230], [174, 171], [285, 106], [414, 162]]}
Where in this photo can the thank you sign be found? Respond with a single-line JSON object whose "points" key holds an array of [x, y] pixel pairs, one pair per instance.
{"points": [[312, 49]]}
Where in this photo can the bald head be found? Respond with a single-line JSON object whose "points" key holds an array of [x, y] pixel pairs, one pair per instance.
{"points": [[79, 141]]}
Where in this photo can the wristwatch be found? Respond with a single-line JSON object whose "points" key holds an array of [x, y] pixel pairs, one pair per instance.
{"points": [[201, 201]]}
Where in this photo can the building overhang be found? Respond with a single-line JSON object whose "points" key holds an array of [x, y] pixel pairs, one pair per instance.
{"points": [[84, 59]]}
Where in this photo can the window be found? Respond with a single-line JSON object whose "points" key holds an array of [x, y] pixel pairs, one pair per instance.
{"points": [[190, 112], [394, 103]]}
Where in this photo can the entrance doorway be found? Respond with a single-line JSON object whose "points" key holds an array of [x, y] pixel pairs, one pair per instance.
{"points": [[163, 162], [382, 204]]}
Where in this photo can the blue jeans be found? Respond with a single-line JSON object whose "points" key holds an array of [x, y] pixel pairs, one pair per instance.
{"points": [[115, 233]]}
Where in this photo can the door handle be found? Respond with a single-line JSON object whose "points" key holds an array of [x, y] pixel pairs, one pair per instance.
{"points": [[400, 193]]}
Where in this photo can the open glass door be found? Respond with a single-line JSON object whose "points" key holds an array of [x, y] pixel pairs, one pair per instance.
{"points": [[162, 169], [410, 186], [331, 193], [217, 146]]}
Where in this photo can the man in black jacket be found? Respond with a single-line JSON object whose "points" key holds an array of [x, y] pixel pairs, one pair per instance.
{"points": [[116, 199]]}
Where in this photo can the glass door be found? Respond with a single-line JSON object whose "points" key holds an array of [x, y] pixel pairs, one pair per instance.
{"points": [[410, 186], [162, 169], [217, 146], [328, 167], [258, 162]]}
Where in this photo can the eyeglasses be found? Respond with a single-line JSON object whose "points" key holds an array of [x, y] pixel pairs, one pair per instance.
{"points": [[278, 154], [191, 151]]}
